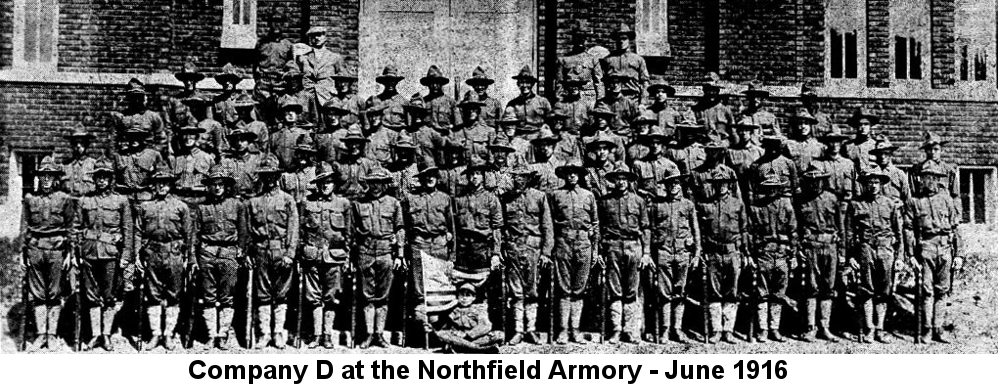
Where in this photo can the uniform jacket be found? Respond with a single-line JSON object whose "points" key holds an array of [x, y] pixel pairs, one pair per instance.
{"points": [[675, 229], [530, 109], [103, 227], [242, 167], [575, 210], [378, 224], [165, 220], [326, 225], [650, 171], [47, 215], [723, 221], [190, 168], [429, 214], [478, 217], [624, 216], [592, 73], [273, 223], [628, 63], [77, 179], [349, 171], [528, 214], [444, 113], [773, 220], [221, 223]]}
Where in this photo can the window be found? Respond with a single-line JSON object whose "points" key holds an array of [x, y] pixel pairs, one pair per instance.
{"points": [[30, 160], [845, 39], [651, 31], [974, 27], [910, 32], [36, 26], [907, 58], [239, 24], [976, 194], [973, 64]]}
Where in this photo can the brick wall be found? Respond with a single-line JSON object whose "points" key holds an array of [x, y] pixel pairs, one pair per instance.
{"points": [[878, 46], [686, 41], [341, 18], [6, 33], [942, 14]]}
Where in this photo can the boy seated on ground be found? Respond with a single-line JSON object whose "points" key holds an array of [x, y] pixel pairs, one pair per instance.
{"points": [[466, 328]]}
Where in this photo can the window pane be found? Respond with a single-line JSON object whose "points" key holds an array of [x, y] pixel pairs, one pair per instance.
{"points": [[900, 58], [246, 11], [981, 66], [49, 16], [31, 20], [963, 63], [852, 56], [965, 197], [916, 58], [237, 9], [836, 54], [979, 179]]}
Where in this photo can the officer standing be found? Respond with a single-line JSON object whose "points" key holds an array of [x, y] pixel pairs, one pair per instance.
{"points": [[573, 107], [240, 163], [430, 219], [394, 112], [841, 171], [220, 233], [528, 239], [46, 226], [576, 233], [491, 109], [317, 66], [326, 225], [932, 146], [625, 251], [103, 230], [624, 61], [934, 249], [478, 223], [352, 166], [190, 165], [529, 107], [773, 233], [164, 224], [76, 178], [675, 245], [444, 115], [723, 228], [585, 67], [875, 231], [819, 217], [809, 101], [273, 229], [379, 232]]}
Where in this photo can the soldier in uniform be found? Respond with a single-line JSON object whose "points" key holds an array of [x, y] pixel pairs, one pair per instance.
{"points": [[223, 105], [138, 115], [637, 148], [380, 235], [347, 98], [675, 245], [842, 172], [899, 186], [474, 135], [742, 154], [600, 165], [220, 233], [809, 101], [403, 168], [529, 107], [576, 237], [756, 113], [545, 163], [273, 230], [478, 222], [498, 178], [624, 61], [858, 148], [467, 327], [48, 250], [713, 166], [875, 238], [134, 165], [240, 163], [667, 116], [381, 141], [711, 111], [190, 165], [580, 65], [102, 227], [626, 250], [429, 141], [491, 109], [328, 137], [273, 53], [819, 217], [803, 147], [444, 114], [76, 178], [178, 112], [285, 139], [771, 163], [932, 146], [394, 114], [245, 106], [934, 248], [326, 232], [602, 116], [213, 138], [574, 106], [624, 108], [653, 168], [164, 224], [429, 218], [723, 224], [352, 166], [297, 179], [569, 146], [775, 247], [318, 65], [451, 174], [528, 239]]}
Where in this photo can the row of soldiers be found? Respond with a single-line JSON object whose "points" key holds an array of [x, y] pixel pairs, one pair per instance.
{"points": [[379, 184]]}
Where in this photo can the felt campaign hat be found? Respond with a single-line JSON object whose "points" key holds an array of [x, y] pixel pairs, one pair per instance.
{"points": [[434, 76], [189, 73], [479, 77]]}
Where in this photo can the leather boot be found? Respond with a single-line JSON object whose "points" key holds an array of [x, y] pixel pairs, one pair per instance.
{"points": [[380, 318], [169, 327], [368, 326], [762, 322], [317, 324], [280, 334], [713, 330], [518, 316], [926, 330], [155, 314], [54, 342], [937, 335], [879, 334], [95, 337], [107, 321], [678, 310], [775, 316], [825, 308], [632, 322], [664, 320], [530, 322], [811, 311], [224, 328], [210, 317], [263, 326], [937, 322], [330, 337], [867, 322], [576, 323], [564, 314], [616, 312]]}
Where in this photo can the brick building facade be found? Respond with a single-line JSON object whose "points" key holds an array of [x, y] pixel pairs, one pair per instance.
{"points": [[925, 65]]}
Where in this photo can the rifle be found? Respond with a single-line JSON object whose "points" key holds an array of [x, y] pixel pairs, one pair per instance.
{"points": [[755, 282], [551, 302], [503, 308], [706, 304], [192, 295], [77, 346], [919, 296], [352, 294], [604, 302], [655, 310], [249, 304], [24, 305], [141, 299], [405, 305], [301, 297]]}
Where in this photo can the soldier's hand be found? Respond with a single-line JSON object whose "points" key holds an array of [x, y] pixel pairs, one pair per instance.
{"points": [[398, 265], [898, 265], [546, 261], [450, 237], [958, 263], [496, 262], [23, 260], [915, 264], [287, 261], [646, 261], [599, 262], [194, 266]]}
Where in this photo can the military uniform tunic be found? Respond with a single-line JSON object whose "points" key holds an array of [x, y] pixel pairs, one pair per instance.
{"points": [[349, 170], [46, 222], [591, 74], [650, 171], [77, 179], [547, 180], [220, 230], [933, 221], [717, 119], [595, 180], [475, 140], [478, 220], [578, 113], [326, 225], [630, 64], [687, 158], [899, 186], [133, 170], [103, 227], [381, 145], [626, 238], [951, 184], [241, 166], [532, 110], [429, 218], [190, 168], [821, 241], [165, 227], [527, 236], [378, 223], [701, 189], [875, 237], [675, 240], [283, 143], [394, 115], [723, 226], [444, 113], [802, 152], [576, 233], [273, 230], [767, 166], [773, 230]]}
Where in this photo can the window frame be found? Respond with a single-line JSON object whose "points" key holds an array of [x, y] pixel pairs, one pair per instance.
{"points": [[646, 33], [19, 35], [243, 35], [988, 192]]}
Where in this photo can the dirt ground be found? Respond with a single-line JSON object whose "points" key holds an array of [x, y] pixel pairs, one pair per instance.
{"points": [[973, 313]]}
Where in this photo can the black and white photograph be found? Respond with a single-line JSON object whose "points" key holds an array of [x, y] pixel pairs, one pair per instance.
{"points": [[518, 177]]}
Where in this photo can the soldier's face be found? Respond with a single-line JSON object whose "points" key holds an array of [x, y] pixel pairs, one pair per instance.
{"points": [[317, 40], [546, 150], [189, 85], [572, 90], [216, 189], [752, 102], [305, 158], [623, 42], [465, 298], [239, 144], [571, 179], [391, 87], [436, 87], [475, 179], [884, 158], [833, 148], [864, 127], [375, 120], [345, 87], [46, 182], [325, 187], [500, 157], [509, 129], [376, 188], [931, 183], [79, 147], [602, 153], [471, 113], [602, 122], [332, 120], [873, 186], [290, 116], [189, 140], [674, 188], [805, 129], [161, 188], [614, 86], [933, 152], [661, 96], [618, 183], [520, 182], [721, 187], [525, 86], [352, 147], [102, 181], [429, 180], [744, 135], [480, 88]]}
